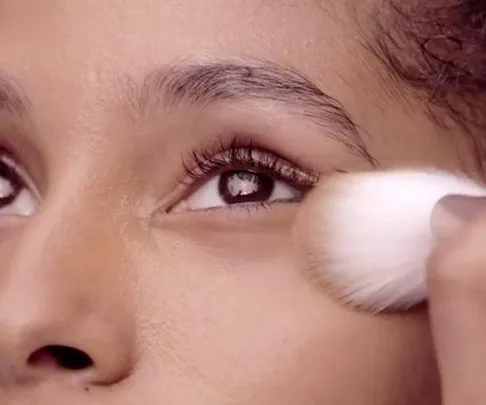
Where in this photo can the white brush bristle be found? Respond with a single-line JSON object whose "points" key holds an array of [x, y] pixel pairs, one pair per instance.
{"points": [[368, 235]]}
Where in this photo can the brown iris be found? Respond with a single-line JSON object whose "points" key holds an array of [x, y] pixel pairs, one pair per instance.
{"points": [[244, 186]]}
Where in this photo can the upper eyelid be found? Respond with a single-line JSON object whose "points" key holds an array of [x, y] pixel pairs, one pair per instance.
{"points": [[208, 164], [236, 144]]}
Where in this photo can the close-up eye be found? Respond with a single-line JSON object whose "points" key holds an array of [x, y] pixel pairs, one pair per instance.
{"points": [[240, 187], [15, 197], [242, 175]]}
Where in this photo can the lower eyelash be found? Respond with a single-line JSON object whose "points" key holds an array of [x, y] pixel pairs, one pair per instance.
{"points": [[244, 155], [250, 208]]}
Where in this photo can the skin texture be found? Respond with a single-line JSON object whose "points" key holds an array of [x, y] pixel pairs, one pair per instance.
{"points": [[190, 307]]}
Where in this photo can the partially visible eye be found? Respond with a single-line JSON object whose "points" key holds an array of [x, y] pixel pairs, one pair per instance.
{"points": [[240, 187], [242, 174], [15, 197]]}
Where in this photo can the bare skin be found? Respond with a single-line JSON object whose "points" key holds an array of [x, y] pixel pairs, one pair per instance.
{"points": [[175, 304]]}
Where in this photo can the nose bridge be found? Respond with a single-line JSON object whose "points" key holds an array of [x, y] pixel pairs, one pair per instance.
{"points": [[66, 245], [61, 285]]}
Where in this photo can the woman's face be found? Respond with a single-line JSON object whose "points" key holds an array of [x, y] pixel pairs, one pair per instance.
{"points": [[154, 156]]}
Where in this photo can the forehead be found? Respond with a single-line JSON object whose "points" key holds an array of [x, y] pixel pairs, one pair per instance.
{"points": [[115, 36]]}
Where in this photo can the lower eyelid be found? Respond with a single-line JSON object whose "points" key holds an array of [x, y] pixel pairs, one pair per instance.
{"points": [[264, 217], [244, 208]]}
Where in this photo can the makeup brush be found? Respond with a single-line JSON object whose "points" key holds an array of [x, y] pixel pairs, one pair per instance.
{"points": [[366, 237]]}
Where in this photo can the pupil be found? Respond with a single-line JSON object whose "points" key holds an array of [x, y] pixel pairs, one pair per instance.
{"points": [[243, 186]]}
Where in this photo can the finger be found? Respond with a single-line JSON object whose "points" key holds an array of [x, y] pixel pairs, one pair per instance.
{"points": [[457, 299]]}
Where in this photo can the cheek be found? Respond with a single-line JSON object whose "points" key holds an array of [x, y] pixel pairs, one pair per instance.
{"points": [[253, 330]]}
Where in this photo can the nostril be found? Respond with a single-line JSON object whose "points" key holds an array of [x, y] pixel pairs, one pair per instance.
{"points": [[67, 358]]}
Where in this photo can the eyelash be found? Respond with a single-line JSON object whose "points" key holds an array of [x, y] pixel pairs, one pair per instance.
{"points": [[11, 170], [243, 154]]}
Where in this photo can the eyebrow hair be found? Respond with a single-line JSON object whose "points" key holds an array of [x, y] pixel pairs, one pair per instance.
{"points": [[203, 84], [12, 96]]}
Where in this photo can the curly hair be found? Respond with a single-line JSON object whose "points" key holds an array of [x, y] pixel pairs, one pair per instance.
{"points": [[439, 48]]}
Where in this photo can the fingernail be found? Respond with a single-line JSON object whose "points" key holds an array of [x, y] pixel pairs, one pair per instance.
{"points": [[453, 212]]}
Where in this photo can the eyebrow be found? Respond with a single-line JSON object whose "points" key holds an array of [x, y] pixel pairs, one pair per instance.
{"points": [[12, 96], [204, 84]]}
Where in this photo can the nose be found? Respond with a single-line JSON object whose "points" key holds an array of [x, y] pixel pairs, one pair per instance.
{"points": [[64, 306]]}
